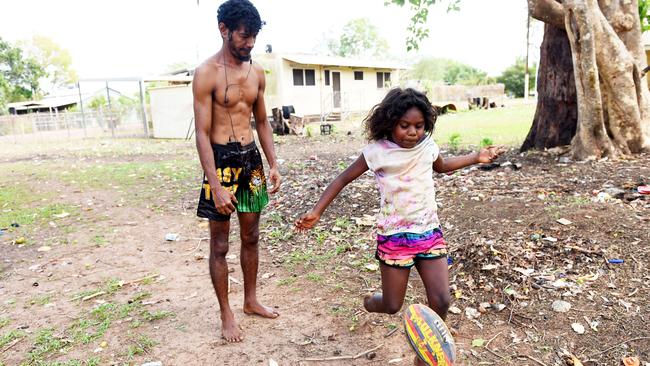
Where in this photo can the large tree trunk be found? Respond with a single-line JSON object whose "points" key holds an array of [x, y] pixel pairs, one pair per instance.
{"points": [[613, 117], [556, 116]]}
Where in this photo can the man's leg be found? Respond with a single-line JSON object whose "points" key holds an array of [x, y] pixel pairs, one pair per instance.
{"points": [[249, 223], [219, 274]]}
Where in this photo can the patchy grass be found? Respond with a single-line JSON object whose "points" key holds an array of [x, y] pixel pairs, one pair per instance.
{"points": [[125, 175], [41, 300], [141, 344], [16, 207], [10, 337], [46, 343], [503, 126], [156, 315]]}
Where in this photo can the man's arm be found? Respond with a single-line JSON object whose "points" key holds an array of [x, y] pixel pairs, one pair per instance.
{"points": [[202, 90], [265, 132]]}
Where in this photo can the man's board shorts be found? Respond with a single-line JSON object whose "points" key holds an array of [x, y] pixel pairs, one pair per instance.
{"points": [[401, 250], [240, 171]]}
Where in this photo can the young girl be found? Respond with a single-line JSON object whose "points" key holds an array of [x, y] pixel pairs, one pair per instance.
{"points": [[403, 156]]}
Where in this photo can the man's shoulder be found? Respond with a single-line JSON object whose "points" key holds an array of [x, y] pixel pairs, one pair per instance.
{"points": [[209, 66]]}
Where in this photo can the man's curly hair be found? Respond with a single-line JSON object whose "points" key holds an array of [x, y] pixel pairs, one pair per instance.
{"points": [[382, 118], [235, 13]]}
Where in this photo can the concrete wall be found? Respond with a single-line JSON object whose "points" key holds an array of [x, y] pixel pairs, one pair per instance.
{"points": [[171, 111]]}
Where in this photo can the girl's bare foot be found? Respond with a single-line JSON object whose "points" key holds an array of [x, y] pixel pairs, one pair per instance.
{"points": [[418, 362]]}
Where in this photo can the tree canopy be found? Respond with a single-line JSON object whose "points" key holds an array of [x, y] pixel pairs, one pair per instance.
{"points": [[359, 38], [513, 78], [19, 75]]}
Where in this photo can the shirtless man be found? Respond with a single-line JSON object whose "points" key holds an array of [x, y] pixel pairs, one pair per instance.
{"points": [[227, 87]]}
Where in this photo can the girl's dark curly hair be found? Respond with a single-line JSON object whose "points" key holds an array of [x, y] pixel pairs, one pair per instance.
{"points": [[235, 13], [382, 118]]}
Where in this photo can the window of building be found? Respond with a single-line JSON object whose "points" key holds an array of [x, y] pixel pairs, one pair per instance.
{"points": [[383, 80], [327, 77], [358, 75], [304, 77], [310, 77], [298, 77]]}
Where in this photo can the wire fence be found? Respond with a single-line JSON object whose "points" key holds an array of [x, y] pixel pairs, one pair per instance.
{"points": [[36, 127]]}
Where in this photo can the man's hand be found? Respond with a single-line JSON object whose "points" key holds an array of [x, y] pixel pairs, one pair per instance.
{"points": [[223, 200], [275, 179], [307, 221], [490, 153]]}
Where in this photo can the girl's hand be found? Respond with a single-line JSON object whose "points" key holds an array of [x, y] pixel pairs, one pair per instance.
{"points": [[490, 153], [307, 221]]}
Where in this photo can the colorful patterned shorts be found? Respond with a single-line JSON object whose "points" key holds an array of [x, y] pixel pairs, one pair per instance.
{"points": [[241, 171], [401, 250]]}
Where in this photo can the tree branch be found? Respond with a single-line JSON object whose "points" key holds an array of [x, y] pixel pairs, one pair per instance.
{"points": [[548, 11]]}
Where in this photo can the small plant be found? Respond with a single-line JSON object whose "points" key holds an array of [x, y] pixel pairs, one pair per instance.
{"points": [[309, 131], [99, 240], [286, 281], [342, 222], [142, 345], [454, 142], [10, 337], [156, 315], [314, 277], [46, 343], [486, 141]]}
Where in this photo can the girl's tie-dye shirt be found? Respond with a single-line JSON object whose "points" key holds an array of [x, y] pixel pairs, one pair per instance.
{"points": [[405, 180]]}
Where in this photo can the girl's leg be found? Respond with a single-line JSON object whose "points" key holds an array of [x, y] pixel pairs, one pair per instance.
{"points": [[435, 276], [393, 285]]}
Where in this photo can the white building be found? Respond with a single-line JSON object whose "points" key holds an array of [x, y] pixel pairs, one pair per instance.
{"points": [[318, 86]]}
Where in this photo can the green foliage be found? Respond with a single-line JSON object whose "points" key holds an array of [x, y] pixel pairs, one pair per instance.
{"points": [[10, 337], [513, 78], [56, 61], [644, 6], [431, 71], [97, 102], [359, 37], [420, 9], [486, 141], [454, 142], [19, 75], [463, 74]]}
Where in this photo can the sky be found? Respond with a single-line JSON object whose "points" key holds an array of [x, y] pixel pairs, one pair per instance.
{"points": [[125, 38]]}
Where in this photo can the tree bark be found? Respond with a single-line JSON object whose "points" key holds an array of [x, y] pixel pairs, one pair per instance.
{"points": [[613, 102], [556, 115]]}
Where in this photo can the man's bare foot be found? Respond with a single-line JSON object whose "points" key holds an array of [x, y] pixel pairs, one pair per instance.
{"points": [[230, 329], [255, 308]]}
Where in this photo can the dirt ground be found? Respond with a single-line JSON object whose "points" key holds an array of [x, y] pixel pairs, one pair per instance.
{"points": [[96, 283]]}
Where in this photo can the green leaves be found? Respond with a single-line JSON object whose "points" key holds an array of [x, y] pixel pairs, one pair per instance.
{"points": [[420, 8], [513, 78], [358, 38], [19, 74], [644, 6]]}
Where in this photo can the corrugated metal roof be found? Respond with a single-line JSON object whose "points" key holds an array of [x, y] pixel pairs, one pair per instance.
{"points": [[342, 61]]}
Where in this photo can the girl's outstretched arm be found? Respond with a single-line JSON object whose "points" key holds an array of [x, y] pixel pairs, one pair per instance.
{"points": [[486, 155], [308, 220]]}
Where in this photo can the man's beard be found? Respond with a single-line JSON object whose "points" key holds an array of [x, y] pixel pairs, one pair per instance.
{"points": [[235, 52]]}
